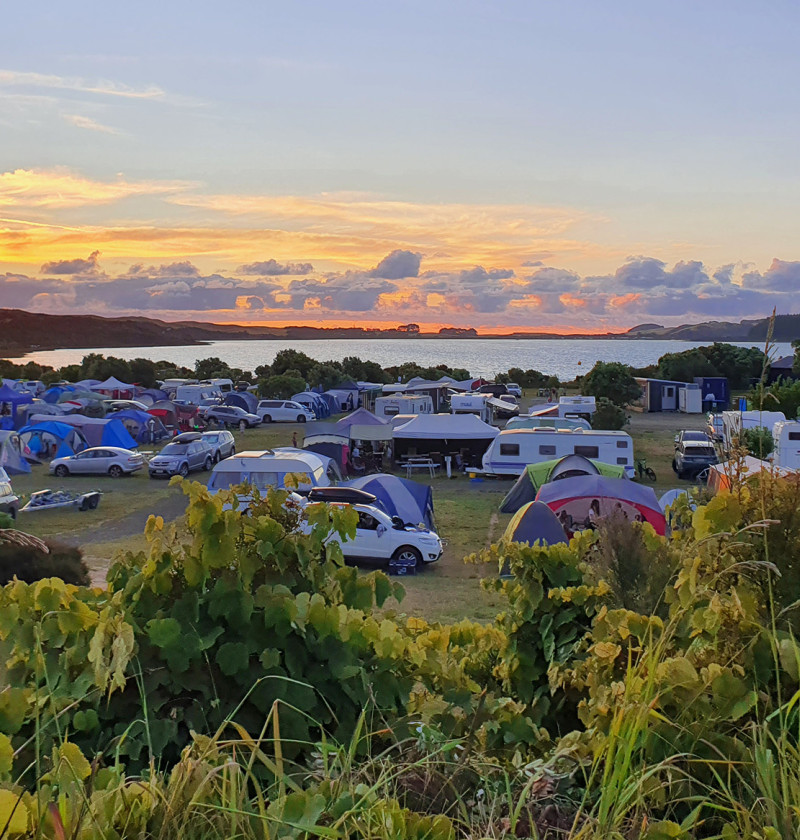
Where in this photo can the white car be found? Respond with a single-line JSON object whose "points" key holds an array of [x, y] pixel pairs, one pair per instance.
{"points": [[380, 537], [99, 460], [514, 388], [283, 411]]}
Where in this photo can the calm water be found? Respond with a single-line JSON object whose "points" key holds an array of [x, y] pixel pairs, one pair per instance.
{"points": [[565, 358]]}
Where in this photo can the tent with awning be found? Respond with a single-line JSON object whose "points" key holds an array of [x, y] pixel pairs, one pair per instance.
{"points": [[50, 439], [114, 388], [11, 458], [464, 435], [97, 431]]}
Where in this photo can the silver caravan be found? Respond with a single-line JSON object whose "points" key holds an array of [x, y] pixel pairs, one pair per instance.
{"points": [[403, 404], [512, 450]]}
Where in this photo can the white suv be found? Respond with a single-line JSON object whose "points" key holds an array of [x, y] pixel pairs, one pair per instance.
{"points": [[283, 411], [380, 537]]}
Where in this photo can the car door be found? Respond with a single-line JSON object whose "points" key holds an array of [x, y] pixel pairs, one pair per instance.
{"points": [[82, 463], [368, 541], [102, 461]]}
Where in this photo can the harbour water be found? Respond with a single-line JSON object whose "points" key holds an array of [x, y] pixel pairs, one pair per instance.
{"points": [[565, 358]]}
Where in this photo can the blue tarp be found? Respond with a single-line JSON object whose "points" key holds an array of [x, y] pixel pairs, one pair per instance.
{"points": [[411, 501], [11, 459]]}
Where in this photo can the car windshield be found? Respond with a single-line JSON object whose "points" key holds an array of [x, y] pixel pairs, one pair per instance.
{"points": [[175, 449], [212, 438], [694, 436]]}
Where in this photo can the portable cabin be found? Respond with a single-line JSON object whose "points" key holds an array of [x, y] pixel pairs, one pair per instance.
{"points": [[786, 434], [735, 422], [391, 406], [714, 392], [463, 436], [270, 467], [514, 449], [668, 395]]}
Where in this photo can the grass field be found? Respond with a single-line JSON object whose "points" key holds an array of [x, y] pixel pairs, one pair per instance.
{"points": [[467, 516]]}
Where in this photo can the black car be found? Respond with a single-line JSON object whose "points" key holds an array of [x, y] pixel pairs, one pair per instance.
{"points": [[693, 457]]}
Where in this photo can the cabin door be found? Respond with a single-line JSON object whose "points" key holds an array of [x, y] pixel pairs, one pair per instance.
{"points": [[669, 398]]}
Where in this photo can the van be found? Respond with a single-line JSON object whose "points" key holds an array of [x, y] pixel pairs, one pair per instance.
{"points": [[514, 449], [195, 394], [392, 406], [786, 434]]}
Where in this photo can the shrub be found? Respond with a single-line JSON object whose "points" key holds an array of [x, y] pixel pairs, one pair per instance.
{"points": [[758, 441], [612, 380], [29, 564], [609, 416]]}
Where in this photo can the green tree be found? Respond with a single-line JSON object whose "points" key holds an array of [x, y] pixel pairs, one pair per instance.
{"points": [[282, 387], [609, 416], [796, 361], [292, 360], [143, 372], [612, 380], [783, 395], [759, 441], [684, 366], [212, 368], [97, 366], [326, 375]]}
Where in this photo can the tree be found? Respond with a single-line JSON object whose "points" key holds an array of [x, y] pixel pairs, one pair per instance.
{"points": [[759, 441], [143, 372], [326, 375], [97, 366], [612, 380], [609, 416], [281, 387], [796, 361], [212, 368], [783, 395], [289, 359], [684, 366]]}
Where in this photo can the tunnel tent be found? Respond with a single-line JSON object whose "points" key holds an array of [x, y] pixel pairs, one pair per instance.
{"points": [[97, 431], [143, 427], [535, 522], [50, 439], [576, 497], [535, 475], [11, 457], [410, 500], [241, 399]]}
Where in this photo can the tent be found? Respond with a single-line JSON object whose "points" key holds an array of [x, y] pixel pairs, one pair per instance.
{"points": [[574, 497], [335, 447], [143, 427], [50, 438], [535, 522], [52, 394], [241, 399], [314, 402], [11, 458], [331, 401], [113, 387], [151, 395], [722, 476], [96, 431], [13, 399], [463, 435], [411, 501], [363, 425], [345, 397], [535, 475]]}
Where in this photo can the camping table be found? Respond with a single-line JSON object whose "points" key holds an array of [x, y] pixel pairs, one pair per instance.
{"points": [[420, 463]]}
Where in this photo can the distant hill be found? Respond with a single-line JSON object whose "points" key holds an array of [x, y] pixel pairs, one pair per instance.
{"points": [[21, 332]]}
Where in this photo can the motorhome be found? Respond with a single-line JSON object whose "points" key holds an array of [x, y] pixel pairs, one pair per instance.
{"points": [[223, 385], [786, 434], [735, 422], [195, 394], [514, 449], [403, 404]]}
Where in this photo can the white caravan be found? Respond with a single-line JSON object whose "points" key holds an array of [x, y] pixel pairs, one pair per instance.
{"points": [[786, 434], [735, 422], [392, 406], [269, 468], [526, 421], [195, 394], [512, 450], [477, 404]]}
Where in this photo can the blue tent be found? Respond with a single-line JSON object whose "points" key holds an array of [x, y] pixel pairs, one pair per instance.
{"points": [[411, 501], [535, 522], [314, 402], [14, 399], [35, 440], [143, 427], [11, 459], [52, 394], [331, 402], [154, 394], [241, 399]]}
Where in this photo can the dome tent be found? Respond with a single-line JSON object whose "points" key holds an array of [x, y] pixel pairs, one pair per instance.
{"points": [[535, 522], [411, 501]]}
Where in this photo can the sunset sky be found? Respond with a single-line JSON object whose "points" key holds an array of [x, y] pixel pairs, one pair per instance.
{"points": [[504, 165]]}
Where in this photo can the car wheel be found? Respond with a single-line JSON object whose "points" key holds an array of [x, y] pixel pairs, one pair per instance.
{"points": [[115, 471], [301, 418], [208, 464], [266, 419], [61, 471], [217, 456], [242, 425], [407, 556], [184, 470], [233, 451]]}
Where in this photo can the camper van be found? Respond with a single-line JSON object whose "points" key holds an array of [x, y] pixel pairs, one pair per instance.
{"points": [[223, 385], [512, 450], [786, 434], [735, 422], [477, 404], [392, 406]]}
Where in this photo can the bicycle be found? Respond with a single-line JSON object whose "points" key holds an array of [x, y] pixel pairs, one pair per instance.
{"points": [[644, 471]]}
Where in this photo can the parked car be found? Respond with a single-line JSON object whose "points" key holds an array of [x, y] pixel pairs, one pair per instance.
{"points": [[207, 404], [181, 457], [693, 457], [692, 435], [384, 538], [284, 411], [232, 415], [714, 426], [514, 388], [222, 444], [98, 460], [9, 502]]}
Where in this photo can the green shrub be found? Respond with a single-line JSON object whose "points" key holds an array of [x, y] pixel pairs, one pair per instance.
{"points": [[29, 564], [609, 416], [758, 441]]}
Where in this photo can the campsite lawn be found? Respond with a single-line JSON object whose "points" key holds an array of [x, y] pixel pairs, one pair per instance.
{"points": [[467, 516]]}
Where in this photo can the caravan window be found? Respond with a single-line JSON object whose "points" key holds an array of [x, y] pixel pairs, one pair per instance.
{"points": [[587, 451], [794, 435], [509, 449], [390, 410], [622, 444], [622, 462], [547, 450]]}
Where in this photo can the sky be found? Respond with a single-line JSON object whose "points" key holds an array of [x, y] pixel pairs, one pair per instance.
{"points": [[570, 166]]}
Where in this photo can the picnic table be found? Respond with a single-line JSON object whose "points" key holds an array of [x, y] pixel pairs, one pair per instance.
{"points": [[420, 462]]}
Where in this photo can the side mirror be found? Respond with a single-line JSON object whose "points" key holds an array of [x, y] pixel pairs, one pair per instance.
{"points": [[381, 529]]}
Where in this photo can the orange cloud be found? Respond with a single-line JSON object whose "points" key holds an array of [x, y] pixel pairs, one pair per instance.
{"points": [[621, 301], [569, 299]]}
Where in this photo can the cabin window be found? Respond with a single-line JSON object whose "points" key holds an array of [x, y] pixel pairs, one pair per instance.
{"points": [[623, 462], [622, 444], [794, 435], [587, 451], [509, 449], [547, 450]]}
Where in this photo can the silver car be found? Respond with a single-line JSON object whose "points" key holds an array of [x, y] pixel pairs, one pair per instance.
{"points": [[181, 458], [98, 460], [222, 443], [232, 415]]}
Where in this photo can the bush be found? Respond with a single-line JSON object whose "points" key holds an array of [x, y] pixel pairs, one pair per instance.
{"points": [[29, 564], [758, 441], [282, 387], [609, 416], [612, 380]]}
